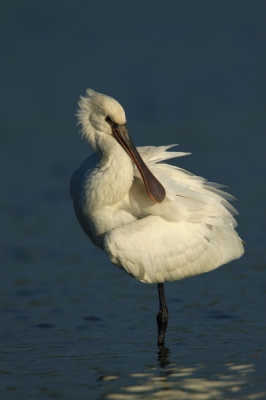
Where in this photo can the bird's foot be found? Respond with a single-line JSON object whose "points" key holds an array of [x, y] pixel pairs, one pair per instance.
{"points": [[162, 320]]}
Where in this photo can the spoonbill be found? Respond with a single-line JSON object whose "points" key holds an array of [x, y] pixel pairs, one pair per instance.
{"points": [[155, 221]]}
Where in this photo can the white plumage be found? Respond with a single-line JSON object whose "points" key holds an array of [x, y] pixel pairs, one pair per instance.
{"points": [[190, 232], [160, 230]]}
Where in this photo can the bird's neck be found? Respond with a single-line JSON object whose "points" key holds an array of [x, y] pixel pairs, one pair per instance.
{"points": [[112, 178]]}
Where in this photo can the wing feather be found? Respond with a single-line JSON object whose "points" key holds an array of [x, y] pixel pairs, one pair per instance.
{"points": [[154, 250], [188, 197], [190, 232]]}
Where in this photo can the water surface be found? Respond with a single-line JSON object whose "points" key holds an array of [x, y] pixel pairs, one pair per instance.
{"points": [[73, 326]]}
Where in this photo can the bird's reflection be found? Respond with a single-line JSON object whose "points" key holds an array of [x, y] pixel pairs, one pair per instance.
{"points": [[163, 355], [170, 381]]}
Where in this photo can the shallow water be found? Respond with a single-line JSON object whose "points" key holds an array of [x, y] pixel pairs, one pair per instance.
{"points": [[73, 326]]}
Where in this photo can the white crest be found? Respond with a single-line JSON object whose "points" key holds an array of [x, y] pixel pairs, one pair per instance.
{"points": [[92, 112]]}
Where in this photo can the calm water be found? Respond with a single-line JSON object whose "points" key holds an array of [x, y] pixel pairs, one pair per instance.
{"points": [[73, 326]]}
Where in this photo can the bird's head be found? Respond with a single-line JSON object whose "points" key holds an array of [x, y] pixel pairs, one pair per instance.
{"points": [[103, 125], [95, 113]]}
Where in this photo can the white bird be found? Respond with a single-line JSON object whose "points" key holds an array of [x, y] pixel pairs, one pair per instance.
{"points": [[155, 221]]}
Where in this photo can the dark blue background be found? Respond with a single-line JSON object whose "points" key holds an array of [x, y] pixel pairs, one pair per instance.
{"points": [[189, 72]]}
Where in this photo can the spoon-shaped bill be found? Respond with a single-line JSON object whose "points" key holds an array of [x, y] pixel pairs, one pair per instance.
{"points": [[153, 187]]}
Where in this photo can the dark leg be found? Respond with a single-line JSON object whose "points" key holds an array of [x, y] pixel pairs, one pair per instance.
{"points": [[162, 317]]}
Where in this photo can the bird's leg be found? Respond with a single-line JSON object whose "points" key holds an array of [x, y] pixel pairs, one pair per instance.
{"points": [[162, 317]]}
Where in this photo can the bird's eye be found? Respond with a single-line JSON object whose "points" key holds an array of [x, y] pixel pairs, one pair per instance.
{"points": [[109, 120]]}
